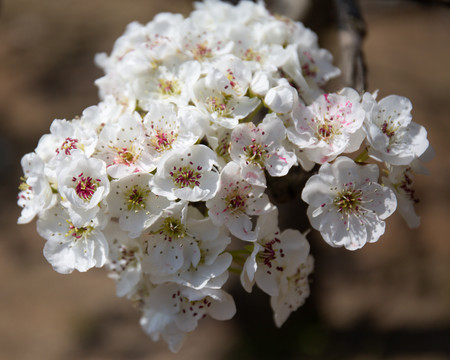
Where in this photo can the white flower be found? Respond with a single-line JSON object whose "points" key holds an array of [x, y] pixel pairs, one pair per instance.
{"points": [[121, 147], [294, 290], [215, 97], [392, 136], [124, 260], [36, 194], [187, 175], [401, 181], [235, 201], [167, 130], [64, 138], [173, 310], [329, 126], [276, 255], [71, 247], [211, 269], [83, 185], [131, 200], [346, 204], [259, 148], [170, 247], [168, 84]]}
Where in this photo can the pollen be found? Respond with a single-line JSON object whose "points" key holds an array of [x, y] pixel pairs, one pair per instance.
{"points": [[186, 176], [86, 186], [136, 198], [348, 200]]}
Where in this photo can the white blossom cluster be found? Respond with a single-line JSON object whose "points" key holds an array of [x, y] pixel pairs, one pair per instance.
{"points": [[156, 180]]}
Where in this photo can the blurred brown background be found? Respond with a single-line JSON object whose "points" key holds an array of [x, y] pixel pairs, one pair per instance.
{"points": [[390, 300]]}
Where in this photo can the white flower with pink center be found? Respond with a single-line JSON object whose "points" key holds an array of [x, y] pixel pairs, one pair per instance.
{"points": [[260, 148], [83, 185], [121, 147], [168, 84], [331, 125], [36, 194], [173, 310], [294, 289], [65, 139], [213, 94], [170, 247], [236, 201], [168, 130], [346, 204], [211, 268], [275, 255], [187, 174], [72, 247], [132, 202], [392, 136]]}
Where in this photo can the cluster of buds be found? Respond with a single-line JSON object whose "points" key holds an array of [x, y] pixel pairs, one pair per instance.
{"points": [[159, 178]]}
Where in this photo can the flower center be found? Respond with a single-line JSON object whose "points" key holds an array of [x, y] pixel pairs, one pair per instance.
{"points": [[348, 200], [173, 229], [251, 55], [218, 105], [86, 186], [78, 233], [67, 146], [327, 128], [168, 87], [201, 51], [269, 254], [23, 184], [186, 177], [126, 156], [136, 198], [256, 153], [236, 202], [162, 141], [388, 129]]}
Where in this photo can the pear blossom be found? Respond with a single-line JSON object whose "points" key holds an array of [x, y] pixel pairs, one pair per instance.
{"points": [[173, 310], [167, 130], [36, 193], [275, 255], [170, 247], [392, 136], [168, 84], [133, 203], [83, 185], [331, 125], [401, 180], [64, 138], [188, 175], [346, 204], [294, 290], [121, 147], [259, 148], [213, 94], [211, 269], [71, 247], [124, 260], [235, 201]]}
